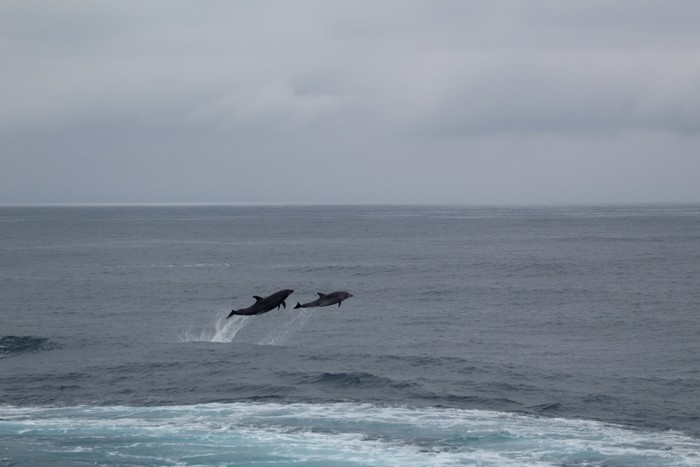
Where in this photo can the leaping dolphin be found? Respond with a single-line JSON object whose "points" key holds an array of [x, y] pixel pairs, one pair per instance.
{"points": [[326, 300], [263, 305]]}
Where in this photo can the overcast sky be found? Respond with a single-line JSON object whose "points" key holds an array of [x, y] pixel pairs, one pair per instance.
{"points": [[466, 102]]}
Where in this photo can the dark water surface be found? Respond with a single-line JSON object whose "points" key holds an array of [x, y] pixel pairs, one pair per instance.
{"points": [[476, 336]]}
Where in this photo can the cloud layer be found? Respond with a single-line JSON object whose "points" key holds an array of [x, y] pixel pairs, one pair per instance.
{"points": [[413, 102]]}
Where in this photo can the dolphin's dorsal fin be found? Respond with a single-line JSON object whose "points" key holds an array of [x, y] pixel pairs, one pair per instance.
{"points": [[321, 295], [257, 299]]}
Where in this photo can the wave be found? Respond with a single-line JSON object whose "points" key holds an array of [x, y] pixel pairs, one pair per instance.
{"points": [[14, 345], [347, 433], [359, 380]]}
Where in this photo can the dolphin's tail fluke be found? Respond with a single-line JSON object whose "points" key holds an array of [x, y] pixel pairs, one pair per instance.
{"points": [[298, 305], [233, 312]]}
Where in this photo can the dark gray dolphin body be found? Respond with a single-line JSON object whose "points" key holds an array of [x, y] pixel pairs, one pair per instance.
{"points": [[263, 305], [326, 300]]}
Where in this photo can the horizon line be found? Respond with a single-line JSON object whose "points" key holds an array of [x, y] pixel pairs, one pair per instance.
{"points": [[299, 204]]}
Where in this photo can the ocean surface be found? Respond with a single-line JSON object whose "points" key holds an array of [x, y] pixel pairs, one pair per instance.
{"points": [[475, 336]]}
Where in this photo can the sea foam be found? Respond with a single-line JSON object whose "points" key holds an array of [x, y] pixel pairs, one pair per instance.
{"points": [[328, 434]]}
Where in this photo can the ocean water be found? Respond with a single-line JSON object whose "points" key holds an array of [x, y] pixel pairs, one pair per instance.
{"points": [[475, 336]]}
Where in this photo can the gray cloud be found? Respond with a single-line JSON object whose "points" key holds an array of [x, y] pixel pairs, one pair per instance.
{"points": [[415, 101]]}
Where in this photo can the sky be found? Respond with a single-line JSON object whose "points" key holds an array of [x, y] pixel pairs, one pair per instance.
{"points": [[351, 102]]}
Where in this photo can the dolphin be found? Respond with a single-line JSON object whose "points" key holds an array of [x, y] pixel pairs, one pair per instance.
{"points": [[263, 305], [326, 300]]}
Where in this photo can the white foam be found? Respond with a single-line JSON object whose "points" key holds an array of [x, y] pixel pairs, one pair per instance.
{"points": [[352, 433]]}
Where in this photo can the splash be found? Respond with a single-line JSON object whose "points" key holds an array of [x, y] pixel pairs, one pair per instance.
{"points": [[225, 330], [280, 336]]}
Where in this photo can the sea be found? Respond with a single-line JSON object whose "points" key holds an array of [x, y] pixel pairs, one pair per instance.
{"points": [[475, 336]]}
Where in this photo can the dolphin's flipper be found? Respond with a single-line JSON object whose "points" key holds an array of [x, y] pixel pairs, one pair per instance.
{"points": [[284, 304], [339, 303]]}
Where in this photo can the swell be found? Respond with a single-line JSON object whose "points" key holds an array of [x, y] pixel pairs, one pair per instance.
{"points": [[15, 345], [353, 380]]}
